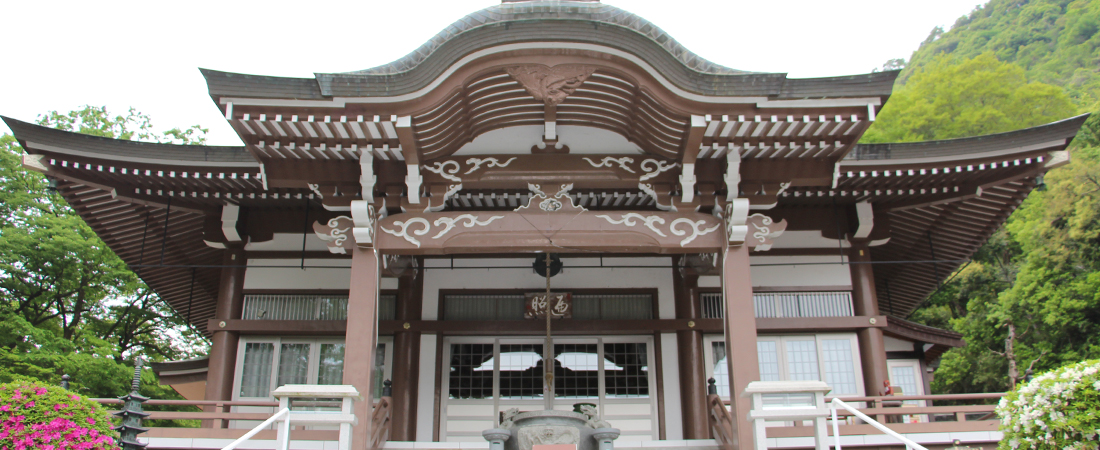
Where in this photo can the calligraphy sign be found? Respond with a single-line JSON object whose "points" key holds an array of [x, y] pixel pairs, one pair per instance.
{"points": [[561, 305]]}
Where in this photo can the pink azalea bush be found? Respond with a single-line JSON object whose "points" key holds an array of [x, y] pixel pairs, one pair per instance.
{"points": [[35, 416]]}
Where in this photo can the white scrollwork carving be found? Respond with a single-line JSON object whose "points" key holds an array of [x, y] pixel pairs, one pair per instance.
{"points": [[451, 222], [629, 220], [653, 167], [443, 170], [783, 188], [763, 230], [451, 191], [536, 189], [650, 191], [696, 229], [492, 162], [338, 234], [316, 188], [606, 162], [404, 231]]}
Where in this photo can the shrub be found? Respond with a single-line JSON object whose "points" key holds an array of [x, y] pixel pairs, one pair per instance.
{"points": [[35, 416], [1059, 409]]}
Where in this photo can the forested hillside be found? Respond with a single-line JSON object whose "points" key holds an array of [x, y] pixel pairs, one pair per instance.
{"points": [[1054, 41], [1030, 298]]}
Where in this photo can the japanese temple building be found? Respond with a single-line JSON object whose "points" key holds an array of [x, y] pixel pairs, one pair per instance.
{"points": [[389, 224]]}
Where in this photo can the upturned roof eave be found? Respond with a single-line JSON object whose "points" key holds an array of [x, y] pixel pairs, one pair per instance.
{"points": [[1039, 138], [37, 138]]}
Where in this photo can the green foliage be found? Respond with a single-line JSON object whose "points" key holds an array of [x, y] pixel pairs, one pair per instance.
{"points": [[950, 99], [1028, 298], [36, 416], [68, 304], [1055, 41], [1057, 410], [97, 121]]}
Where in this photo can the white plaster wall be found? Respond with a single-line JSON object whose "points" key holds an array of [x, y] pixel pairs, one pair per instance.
{"points": [[790, 271], [439, 276], [897, 345], [518, 140], [425, 401], [289, 275], [807, 239], [288, 242], [670, 370]]}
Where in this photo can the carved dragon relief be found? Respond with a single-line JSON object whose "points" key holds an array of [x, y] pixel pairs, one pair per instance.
{"points": [[550, 85]]}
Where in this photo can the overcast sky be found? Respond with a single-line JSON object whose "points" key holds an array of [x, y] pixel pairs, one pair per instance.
{"points": [[146, 54]]}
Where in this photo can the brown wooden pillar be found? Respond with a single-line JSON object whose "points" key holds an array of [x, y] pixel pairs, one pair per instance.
{"points": [[359, 344], [406, 356], [740, 327], [872, 349], [223, 347], [689, 344]]}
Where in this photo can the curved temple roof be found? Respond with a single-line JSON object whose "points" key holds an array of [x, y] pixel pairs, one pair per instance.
{"points": [[574, 25], [592, 12], [951, 194]]}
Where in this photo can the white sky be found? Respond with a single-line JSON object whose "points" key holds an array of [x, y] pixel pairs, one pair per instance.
{"points": [[146, 54]]}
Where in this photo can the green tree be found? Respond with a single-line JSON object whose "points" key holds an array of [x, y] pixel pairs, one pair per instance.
{"points": [[950, 99], [1026, 300], [68, 304], [1055, 41]]}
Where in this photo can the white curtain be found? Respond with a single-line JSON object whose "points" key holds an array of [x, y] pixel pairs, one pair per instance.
{"points": [[293, 364], [256, 373]]}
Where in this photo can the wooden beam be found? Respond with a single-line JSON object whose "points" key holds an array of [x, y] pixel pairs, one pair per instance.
{"points": [[535, 328]]}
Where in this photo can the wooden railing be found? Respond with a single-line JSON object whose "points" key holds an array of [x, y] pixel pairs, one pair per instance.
{"points": [[221, 412], [380, 423], [721, 422], [978, 416]]}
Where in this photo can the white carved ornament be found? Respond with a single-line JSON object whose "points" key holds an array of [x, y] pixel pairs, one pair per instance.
{"points": [[402, 227], [764, 230], [335, 232], [695, 228], [550, 203], [606, 162]]}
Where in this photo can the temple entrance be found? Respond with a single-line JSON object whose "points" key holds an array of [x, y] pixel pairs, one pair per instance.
{"points": [[486, 376]]}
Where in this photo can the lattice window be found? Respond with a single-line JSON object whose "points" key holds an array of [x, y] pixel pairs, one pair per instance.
{"points": [[308, 307], [577, 371], [469, 377], [626, 372], [256, 370], [521, 372], [836, 356], [511, 306], [786, 304]]}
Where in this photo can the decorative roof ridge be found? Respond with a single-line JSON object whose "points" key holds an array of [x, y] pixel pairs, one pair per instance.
{"points": [[916, 331], [1066, 128], [114, 148], [564, 10]]}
